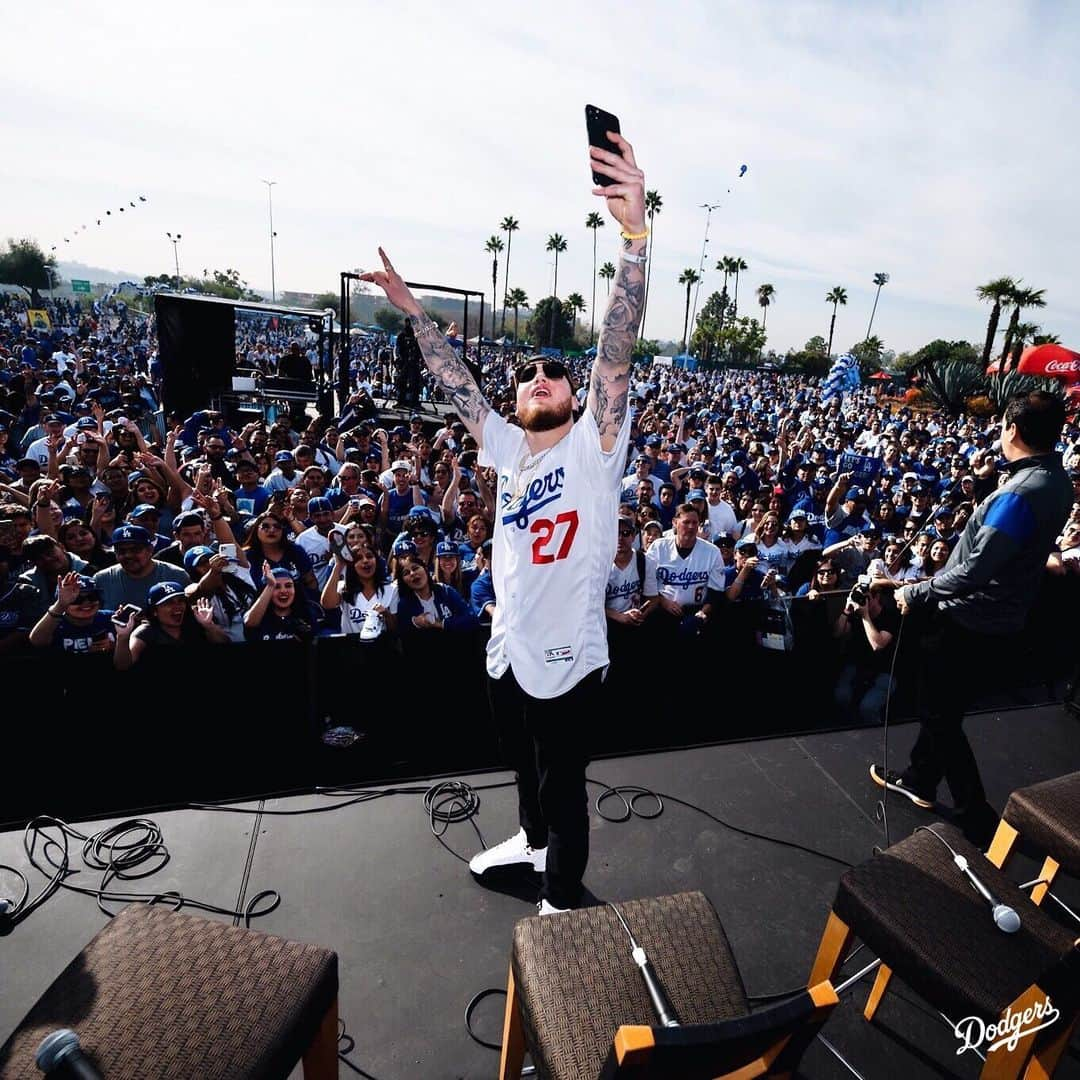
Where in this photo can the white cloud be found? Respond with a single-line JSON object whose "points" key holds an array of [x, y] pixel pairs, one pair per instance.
{"points": [[927, 140]]}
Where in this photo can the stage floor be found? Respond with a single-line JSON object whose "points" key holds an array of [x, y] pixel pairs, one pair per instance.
{"points": [[417, 937]]}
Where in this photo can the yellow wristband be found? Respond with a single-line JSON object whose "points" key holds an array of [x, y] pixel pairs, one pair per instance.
{"points": [[634, 236]]}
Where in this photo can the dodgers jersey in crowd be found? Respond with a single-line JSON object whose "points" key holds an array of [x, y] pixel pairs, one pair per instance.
{"points": [[554, 543], [686, 581]]}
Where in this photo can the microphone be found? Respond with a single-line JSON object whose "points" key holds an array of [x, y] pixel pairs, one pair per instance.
{"points": [[1005, 918], [60, 1057], [665, 1011]]}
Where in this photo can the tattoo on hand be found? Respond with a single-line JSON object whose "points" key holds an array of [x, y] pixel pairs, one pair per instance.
{"points": [[609, 384]]}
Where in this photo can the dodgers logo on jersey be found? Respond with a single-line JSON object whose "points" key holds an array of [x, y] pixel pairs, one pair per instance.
{"points": [[541, 492]]}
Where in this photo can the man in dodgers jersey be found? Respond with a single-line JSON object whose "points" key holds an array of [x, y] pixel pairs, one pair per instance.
{"points": [[555, 536]]}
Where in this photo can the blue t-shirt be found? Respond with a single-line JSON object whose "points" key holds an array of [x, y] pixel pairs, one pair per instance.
{"points": [[70, 638]]}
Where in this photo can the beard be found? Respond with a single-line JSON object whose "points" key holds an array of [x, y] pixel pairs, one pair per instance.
{"points": [[540, 415]]}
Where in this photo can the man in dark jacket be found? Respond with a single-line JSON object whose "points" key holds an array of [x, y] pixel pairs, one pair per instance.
{"points": [[982, 596]]}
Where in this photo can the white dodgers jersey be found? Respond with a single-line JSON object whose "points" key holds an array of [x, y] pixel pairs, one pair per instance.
{"points": [[686, 581], [555, 539]]}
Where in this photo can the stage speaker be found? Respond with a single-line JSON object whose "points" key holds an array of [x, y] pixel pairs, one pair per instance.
{"points": [[197, 348]]}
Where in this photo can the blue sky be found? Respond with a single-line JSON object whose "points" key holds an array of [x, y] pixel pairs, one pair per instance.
{"points": [[930, 141]]}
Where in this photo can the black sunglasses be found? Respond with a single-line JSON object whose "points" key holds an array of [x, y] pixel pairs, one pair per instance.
{"points": [[553, 369]]}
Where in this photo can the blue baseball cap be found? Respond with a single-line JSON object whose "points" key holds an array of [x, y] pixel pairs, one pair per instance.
{"points": [[163, 591], [446, 547], [854, 493], [131, 534], [86, 423], [87, 588], [320, 505], [697, 493], [420, 511], [403, 546], [284, 455], [194, 556]]}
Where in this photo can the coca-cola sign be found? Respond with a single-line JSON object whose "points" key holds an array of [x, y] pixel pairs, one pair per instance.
{"points": [[1053, 361]]}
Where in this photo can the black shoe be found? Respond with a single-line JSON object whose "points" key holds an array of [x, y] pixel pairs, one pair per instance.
{"points": [[895, 782]]}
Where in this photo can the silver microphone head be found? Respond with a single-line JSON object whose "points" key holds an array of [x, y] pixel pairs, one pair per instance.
{"points": [[1006, 919]]}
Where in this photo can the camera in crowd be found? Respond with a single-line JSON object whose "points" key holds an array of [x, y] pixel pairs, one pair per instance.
{"points": [[860, 591]]}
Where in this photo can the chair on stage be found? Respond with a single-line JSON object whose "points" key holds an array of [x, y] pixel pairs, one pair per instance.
{"points": [[577, 1004], [1047, 816], [160, 994], [918, 912]]}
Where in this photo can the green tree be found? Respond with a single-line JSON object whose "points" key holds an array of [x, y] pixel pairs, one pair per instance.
{"points": [[939, 352], [1021, 298], [607, 272], [508, 225], [836, 296], [654, 203], [390, 319], [594, 221], [516, 299], [765, 295], [869, 354], [689, 278], [576, 303], [26, 265], [710, 322], [1022, 334], [646, 347], [738, 265], [557, 245], [551, 324], [999, 291], [742, 339], [224, 283], [328, 300], [879, 280], [493, 246]]}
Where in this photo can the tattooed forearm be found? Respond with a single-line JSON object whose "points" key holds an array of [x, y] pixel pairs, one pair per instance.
{"points": [[609, 383], [451, 373]]}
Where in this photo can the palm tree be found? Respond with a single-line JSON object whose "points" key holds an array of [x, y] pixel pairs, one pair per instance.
{"points": [[1020, 298], [607, 272], [509, 226], [726, 264], [515, 298], [493, 246], [575, 304], [879, 280], [594, 221], [837, 296], [765, 295], [1022, 333], [1000, 291], [689, 278], [654, 203], [556, 244], [737, 264]]}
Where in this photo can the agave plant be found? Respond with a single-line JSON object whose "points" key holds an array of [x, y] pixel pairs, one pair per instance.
{"points": [[1000, 388], [951, 383]]}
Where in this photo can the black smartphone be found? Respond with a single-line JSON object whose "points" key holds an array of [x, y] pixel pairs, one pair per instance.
{"points": [[124, 612], [598, 123]]}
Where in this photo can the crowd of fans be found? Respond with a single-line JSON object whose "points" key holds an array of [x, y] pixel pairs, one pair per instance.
{"points": [[753, 511]]}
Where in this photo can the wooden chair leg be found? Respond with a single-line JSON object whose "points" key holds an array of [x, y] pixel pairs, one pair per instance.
{"points": [[832, 950], [321, 1057], [1049, 870], [1006, 1064], [877, 992], [1047, 1054], [513, 1040], [1002, 843]]}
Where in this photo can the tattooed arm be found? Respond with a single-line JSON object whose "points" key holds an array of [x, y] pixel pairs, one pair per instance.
{"points": [[609, 383], [449, 370]]}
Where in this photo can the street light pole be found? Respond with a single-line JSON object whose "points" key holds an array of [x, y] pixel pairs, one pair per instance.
{"points": [[708, 208], [176, 257], [270, 197]]}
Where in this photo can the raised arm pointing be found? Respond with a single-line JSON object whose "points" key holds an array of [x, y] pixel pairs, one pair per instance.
{"points": [[449, 370]]}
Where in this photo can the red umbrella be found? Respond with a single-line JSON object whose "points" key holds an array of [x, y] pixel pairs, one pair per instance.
{"points": [[881, 376]]}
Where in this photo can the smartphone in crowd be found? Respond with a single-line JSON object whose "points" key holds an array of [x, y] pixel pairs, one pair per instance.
{"points": [[125, 612], [228, 550], [598, 123]]}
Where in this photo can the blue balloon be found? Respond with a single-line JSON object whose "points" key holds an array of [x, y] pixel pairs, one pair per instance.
{"points": [[742, 170]]}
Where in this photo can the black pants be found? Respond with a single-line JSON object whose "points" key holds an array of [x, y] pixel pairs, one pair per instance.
{"points": [[543, 741], [953, 673]]}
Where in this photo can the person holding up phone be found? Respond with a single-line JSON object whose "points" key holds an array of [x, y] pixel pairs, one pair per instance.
{"points": [[556, 502]]}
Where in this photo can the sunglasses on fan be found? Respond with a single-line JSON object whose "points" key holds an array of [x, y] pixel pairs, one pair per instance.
{"points": [[553, 369]]}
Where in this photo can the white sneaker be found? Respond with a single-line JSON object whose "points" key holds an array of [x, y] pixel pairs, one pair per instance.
{"points": [[510, 852], [544, 908]]}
